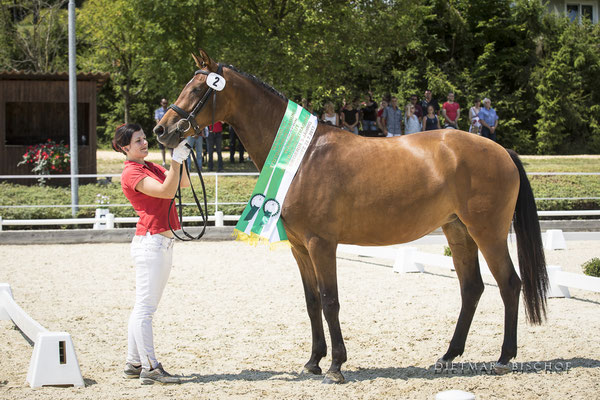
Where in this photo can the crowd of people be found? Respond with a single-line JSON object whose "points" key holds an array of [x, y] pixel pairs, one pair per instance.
{"points": [[389, 119]]}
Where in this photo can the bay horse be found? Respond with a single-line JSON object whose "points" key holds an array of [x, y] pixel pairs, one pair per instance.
{"points": [[383, 191]]}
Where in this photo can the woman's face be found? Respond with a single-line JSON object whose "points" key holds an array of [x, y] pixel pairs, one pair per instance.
{"points": [[430, 110], [138, 148]]}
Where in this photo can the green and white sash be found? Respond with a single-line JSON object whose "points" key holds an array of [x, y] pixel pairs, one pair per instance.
{"points": [[260, 219]]}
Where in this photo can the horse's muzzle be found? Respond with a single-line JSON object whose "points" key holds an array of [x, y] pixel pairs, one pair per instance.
{"points": [[169, 138]]}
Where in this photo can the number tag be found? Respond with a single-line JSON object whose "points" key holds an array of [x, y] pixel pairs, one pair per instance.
{"points": [[215, 81]]}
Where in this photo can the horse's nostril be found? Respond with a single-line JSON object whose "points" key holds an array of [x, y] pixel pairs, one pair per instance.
{"points": [[159, 130]]}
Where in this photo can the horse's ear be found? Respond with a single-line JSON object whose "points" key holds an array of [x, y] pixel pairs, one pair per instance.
{"points": [[198, 61], [208, 62]]}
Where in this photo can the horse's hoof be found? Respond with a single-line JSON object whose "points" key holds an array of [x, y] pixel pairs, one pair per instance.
{"points": [[442, 364], [333, 377], [501, 369], [312, 369]]}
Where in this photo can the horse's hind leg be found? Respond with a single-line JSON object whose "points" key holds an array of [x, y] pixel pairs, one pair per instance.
{"points": [[466, 263], [313, 306], [498, 260], [322, 254]]}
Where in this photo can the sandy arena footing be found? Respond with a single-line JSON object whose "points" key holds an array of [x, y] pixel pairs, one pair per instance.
{"points": [[233, 323]]}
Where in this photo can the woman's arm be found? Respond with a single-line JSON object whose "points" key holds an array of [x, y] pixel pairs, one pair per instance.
{"points": [[165, 190]]}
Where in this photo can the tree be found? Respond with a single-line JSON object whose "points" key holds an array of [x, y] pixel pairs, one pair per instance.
{"points": [[569, 93], [34, 33]]}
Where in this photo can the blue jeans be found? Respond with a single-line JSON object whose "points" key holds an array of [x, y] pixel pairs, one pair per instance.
{"points": [[485, 132], [196, 143], [369, 125]]}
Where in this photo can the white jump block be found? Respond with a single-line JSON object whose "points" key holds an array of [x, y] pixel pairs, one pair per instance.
{"points": [[554, 289], [53, 361], [554, 240], [4, 288], [454, 395], [406, 260]]}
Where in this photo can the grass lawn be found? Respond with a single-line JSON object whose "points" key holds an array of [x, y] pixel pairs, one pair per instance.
{"points": [[239, 188]]}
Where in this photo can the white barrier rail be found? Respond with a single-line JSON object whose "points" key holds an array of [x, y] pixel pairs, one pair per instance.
{"points": [[53, 361], [409, 259], [107, 221]]}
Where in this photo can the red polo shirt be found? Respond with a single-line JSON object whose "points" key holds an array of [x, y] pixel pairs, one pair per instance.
{"points": [[153, 211]]}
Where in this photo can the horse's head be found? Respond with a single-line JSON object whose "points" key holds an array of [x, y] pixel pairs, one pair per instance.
{"points": [[195, 107]]}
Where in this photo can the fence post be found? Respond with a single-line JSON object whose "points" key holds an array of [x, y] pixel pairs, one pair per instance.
{"points": [[405, 260], [554, 240], [110, 221], [216, 192], [0, 223], [219, 218], [4, 287], [554, 289]]}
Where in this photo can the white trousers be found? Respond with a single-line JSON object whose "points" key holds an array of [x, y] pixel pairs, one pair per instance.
{"points": [[152, 257]]}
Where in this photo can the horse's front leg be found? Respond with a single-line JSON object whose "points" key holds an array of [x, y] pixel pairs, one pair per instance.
{"points": [[313, 306], [322, 254]]}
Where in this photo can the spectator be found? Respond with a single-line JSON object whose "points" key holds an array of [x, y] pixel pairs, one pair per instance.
{"points": [[350, 118], [475, 126], [329, 115], [430, 120], [414, 100], [158, 114], [235, 142], [195, 143], [382, 108], [412, 123], [429, 100], [451, 112], [392, 118], [489, 120], [215, 138], [369, 116]]}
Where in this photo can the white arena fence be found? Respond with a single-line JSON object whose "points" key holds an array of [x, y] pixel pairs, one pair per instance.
{"points": [[53, 361], [408, 259]]}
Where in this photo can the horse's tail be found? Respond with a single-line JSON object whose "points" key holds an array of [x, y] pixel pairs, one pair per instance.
{"points": [[530, 249]]}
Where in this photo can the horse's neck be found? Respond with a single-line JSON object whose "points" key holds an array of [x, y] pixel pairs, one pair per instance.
{"points": [[256, 116]]}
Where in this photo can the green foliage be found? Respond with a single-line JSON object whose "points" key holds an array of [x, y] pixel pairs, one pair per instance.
{"points": [[592, 267], [447, 251], [539, 69], [568, 92], [33, 35]]}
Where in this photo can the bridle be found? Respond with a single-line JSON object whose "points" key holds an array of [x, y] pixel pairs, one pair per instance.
{"points": [[187, 121]]}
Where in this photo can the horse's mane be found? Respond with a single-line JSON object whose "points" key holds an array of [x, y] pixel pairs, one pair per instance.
{"points": [[257, 80]]}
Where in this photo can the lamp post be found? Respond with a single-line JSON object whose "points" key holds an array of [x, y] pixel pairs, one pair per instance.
{"points": [[73, 111]]}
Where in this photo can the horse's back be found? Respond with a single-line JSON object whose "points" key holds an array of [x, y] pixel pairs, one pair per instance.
{"points": [[393, 190]]}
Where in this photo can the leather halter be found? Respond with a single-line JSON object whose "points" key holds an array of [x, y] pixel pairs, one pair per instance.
{"points": [[189, 119]]}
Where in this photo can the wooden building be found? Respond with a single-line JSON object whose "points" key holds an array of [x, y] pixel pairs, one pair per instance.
{"points": [[34, 107]]}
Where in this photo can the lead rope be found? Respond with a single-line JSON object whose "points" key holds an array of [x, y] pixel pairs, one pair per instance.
{"points": [[203, 213]]}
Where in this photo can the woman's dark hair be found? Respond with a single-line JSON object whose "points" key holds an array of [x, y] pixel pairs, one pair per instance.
{"points": [[123, 136]]}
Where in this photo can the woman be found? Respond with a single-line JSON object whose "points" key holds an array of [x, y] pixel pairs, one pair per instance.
{"points": [[329, 115], [350, 118], [411, 121], [149, 188], [430, 120], [475, 126]]}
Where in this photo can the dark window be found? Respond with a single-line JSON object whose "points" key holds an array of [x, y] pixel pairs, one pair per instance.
{"points": [[33, 123], [586, 12], [573, 12]]}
